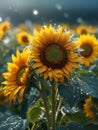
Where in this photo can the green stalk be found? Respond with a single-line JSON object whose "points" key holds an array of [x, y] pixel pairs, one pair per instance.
{"points": [[58, 108], [54, 99], [45, 105], [60, 122]]}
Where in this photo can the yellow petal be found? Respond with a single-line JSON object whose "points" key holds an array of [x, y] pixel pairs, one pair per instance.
{"points": [[36, 65], [42, 69], [45, 75], [12, 67]]}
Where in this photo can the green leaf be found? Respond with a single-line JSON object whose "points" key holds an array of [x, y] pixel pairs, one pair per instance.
{"points": [[70, 92], [61, 128], [83, 72], [91, 126], [88, 83], [12, 122], [95, 67], [33, 114], [78, 117], [73, 126]]}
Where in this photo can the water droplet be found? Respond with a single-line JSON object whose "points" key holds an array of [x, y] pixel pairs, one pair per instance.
{"points": [[59, 26], [78, 88], [92, 77], [58, 6], [74, 96], [81, 91], [87, 93], [67, 110], [35, 12]]}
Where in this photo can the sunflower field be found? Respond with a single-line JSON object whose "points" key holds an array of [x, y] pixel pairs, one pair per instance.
{"points": [[48, 77]]}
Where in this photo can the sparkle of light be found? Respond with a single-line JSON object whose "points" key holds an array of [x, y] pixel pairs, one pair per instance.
{"points": [[35, 12], [0, 19]]}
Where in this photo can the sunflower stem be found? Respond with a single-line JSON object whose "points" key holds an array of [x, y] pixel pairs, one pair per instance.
{"points": [[43, 95], [60, 122], [58, 109], [54, 99]]}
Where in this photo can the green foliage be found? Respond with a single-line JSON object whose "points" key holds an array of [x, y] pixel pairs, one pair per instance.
{"points": [[94, 68], [70, 126], [34, 113], [9, 120], [70, 92], [73, 126], [78, 117], [88, 83], [61, 128], [91, 126]]}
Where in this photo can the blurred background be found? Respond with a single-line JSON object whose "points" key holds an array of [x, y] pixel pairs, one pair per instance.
{"points": [[56, 11]]}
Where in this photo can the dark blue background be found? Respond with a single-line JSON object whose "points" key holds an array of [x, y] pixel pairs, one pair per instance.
{"points": [[49, 10]]}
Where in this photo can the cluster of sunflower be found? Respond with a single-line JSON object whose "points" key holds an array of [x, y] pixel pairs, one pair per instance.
{"points": [[50, 57]]}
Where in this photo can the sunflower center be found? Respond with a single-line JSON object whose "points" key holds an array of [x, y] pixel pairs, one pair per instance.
{"points": [[83, 31], [87, 50], [4, 28], [54, 55], [25, 39], [20, 74]]}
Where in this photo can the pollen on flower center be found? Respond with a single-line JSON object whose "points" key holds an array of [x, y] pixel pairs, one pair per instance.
{"points": [[54, 55], [87, 50], [20, 74], [25, 39]]}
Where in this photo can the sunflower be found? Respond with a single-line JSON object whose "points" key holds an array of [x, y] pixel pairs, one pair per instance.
{"points": [[1, 35], [22, 27], [53, 53], [82, 29], [23, 38], [88, 107], [5, 26], [16, 77], [2, 96], [65, 27], [89, 46], [37, 27]]}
